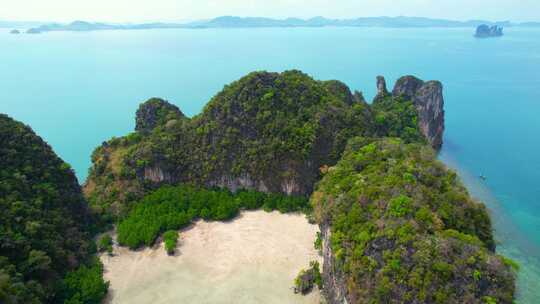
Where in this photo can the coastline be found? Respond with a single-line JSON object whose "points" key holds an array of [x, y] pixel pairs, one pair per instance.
{"points": [[252, 259], [510, 241]]}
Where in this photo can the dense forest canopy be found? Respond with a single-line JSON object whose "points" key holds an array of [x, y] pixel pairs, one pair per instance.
{"points": [[45, 226], [404, 229], [173, 208]]}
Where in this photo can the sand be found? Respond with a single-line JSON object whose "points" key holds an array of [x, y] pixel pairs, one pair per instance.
{"points": [[252, 259]]}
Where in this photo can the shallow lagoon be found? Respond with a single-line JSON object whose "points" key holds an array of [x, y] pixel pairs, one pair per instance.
{"points": [[79, 89]]}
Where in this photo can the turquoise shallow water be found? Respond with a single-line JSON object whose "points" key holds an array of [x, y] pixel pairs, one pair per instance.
{"points": [[79, 89]]}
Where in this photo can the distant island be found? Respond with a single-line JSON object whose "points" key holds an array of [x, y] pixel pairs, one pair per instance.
{"points": [[259, 22], [33, 31], [15, 31], [486, 31]]}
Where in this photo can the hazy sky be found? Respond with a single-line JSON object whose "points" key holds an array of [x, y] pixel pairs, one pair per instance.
{"points": [[171, 10]]}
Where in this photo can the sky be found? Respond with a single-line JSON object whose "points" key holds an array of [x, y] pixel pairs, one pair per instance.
{"points": [[183, 10]]}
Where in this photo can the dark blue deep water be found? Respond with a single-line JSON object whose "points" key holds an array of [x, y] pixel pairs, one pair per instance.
{"points": [[79, 89]]}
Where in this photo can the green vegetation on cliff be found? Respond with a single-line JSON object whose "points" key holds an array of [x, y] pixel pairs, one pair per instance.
{"points": [[404, 229], [396, 117], [84, 285], [45, 226], [156, 113], [266, 131], [172, 208]]}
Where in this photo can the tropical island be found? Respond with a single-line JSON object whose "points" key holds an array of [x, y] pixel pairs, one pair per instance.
{"points": [[486, 31], [33, 31], [14, 31], [394, 224]]}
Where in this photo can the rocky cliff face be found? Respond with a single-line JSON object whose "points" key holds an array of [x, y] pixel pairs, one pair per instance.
{"points": [[429, 102], [267, 131], [382, 91], [245, 181], [157, 175], [335, 287]]}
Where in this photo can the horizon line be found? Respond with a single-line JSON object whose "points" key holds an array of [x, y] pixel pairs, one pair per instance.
{"points": [[187, 21]]}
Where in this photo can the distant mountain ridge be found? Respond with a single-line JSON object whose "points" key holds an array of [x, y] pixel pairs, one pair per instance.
{"points": [[402, 21], [258, 22]]}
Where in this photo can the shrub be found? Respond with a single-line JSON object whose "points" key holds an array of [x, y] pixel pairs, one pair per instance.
{"points": [[400, 206], [170, 238], [509, 262], [318, 243], [105, 244], [172, 208], [307, 279]]}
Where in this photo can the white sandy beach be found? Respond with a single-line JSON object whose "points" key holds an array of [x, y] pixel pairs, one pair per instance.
{"points": [[252, 259]]}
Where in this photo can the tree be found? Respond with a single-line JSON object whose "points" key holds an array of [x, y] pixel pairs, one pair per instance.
{"points": [[170, 238], [307, 279], [85, 285]]}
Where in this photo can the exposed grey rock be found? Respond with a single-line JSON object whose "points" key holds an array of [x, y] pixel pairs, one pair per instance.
{"points": [[156, 174], [289, 186], [334, 285], [406, 87], [381, 85], [429, 102], [171, 123], [359, 97], [234, 184], [382, 91]]}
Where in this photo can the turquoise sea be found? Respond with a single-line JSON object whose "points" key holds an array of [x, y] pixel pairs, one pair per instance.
{"points": [[79, 89]]}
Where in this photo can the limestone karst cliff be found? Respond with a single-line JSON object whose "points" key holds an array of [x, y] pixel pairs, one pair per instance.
{"points": [[428, 99], [267, 131], [382, 91]]}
